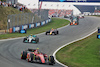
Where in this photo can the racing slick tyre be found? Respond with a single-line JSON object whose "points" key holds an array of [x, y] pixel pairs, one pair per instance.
{"points": [[45, 58], [29, 58], [24, 55], [32, 40], [51, 60], [46, 33], [32, 57], [37, 40], [57, 32], [24, 39]]}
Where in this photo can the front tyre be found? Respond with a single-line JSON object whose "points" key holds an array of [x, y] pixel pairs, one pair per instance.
{"points": [[57, 32], [46, 33], [30, 58], [51, 60], [24, 55]]}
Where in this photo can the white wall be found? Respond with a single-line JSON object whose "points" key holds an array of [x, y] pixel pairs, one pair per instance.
{"points": [[31, 4], [60, 5]]}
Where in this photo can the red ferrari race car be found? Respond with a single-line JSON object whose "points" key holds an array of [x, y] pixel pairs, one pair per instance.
{"points": [[34, 55]]}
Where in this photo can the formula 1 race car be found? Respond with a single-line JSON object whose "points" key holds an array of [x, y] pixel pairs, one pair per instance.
{"points": [[31, 39], [52, 32], [74, 20], [80, 17], [34, 55]]}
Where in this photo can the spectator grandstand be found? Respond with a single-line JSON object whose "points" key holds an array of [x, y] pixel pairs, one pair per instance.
{"points": [[59, 13], [16, 5], [55, 5]]}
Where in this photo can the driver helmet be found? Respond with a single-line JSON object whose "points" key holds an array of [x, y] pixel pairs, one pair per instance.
{"points": [[52, 28], [31, 34], [37, 48]]}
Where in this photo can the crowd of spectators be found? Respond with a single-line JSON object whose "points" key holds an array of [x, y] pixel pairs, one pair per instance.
{"points": [[17, 6], [59, 13], [97, 11]]}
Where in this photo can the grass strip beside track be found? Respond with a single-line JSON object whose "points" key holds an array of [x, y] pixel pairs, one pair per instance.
{"points": [[55, 23], [83, 53]]}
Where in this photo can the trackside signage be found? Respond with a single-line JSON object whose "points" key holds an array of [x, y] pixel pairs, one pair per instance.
{"points": [[43, 23], [37, 24], [24, 27], [16, 29], [46, 21], [71, 0], [49, 20], [31, 25]]}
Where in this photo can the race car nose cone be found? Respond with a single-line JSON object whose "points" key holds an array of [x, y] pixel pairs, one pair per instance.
{"points": [[50, 33]]}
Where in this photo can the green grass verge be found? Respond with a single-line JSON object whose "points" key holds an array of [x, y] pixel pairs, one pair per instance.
{"points": [[96, 15], [55, 23], [83, 53]]}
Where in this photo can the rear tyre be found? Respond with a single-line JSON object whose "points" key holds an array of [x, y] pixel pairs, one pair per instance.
{"points": [[37, 40], [51, 60], [46, 33], [24, 55], [57, 32], [24, 40], [32, 58]]}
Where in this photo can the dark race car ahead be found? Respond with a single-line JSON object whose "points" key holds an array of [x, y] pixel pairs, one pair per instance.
{"points": [[31, 39], [80, 16], [74, 20], [52, 32], [34, 55]]}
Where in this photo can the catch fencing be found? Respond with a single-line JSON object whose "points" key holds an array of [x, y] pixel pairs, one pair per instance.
{"points": [[17, 22]]}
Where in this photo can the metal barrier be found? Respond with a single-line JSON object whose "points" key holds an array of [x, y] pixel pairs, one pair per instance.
{"points": [[17, 22], [28, 26]]}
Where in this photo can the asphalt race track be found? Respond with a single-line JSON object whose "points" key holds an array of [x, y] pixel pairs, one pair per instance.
{"points": [[10, 50]]}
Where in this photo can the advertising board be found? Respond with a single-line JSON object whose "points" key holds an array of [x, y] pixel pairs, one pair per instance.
{"points": [[70, 0]]}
